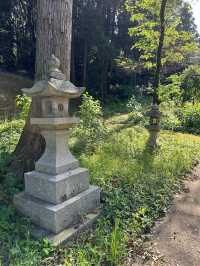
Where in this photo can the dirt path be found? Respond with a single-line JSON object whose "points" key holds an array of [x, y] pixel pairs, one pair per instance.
{"points": [[176, 239]]}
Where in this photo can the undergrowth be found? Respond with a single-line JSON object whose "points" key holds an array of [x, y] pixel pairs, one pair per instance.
{"points": [[137, 188]]}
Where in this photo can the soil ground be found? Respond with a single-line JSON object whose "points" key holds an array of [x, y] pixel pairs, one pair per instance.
{"points": [[176, 238]]}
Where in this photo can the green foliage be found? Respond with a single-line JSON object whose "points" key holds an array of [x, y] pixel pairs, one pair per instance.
{"points": [[96, 63], [190, 83], [141, 221], [180, 117], [47, 248], [23, 103], [136, 117], [178, 43], [116, 244], [135, 108], [18, 248], [190, 117], [170, 119], [171, 91], [134, 105], [90, 111], [114, 107], [9, 134], [91, 129]]}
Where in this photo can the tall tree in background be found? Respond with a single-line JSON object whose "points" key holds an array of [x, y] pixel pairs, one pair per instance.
{"points": [[154, 113], [53, 31], [187, 20], [159, 52], [23, 24], [17, 36], [179, 42], [100, 34]]}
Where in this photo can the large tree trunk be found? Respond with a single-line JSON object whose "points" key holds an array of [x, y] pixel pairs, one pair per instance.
{"points": [[53, 35], [54, 27]]}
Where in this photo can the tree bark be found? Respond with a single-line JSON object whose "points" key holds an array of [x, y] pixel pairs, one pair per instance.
{"points": [[159, 51], [73, 73], [53, 36], [155, 114], [85, 63], [54, 27]]}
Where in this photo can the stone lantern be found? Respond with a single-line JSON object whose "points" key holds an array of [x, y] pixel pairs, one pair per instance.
{"points": [[154, 125], [57, 196]]}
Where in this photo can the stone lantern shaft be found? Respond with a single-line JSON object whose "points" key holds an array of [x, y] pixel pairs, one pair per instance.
{"points": [[57, 196]]}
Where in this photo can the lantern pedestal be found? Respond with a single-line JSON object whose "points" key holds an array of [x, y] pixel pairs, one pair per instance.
{"points": [[57, 157], [58, 197]]}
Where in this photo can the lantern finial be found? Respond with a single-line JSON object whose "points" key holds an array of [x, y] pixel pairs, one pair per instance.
{"points": [[54, 69]]}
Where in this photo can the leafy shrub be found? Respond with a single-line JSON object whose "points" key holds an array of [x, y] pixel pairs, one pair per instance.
{"points": [[23, 103], [170, 119], [190, 83], [190, 117], [171, 91], [91, 129], [134, 105], [136, 115], [184, 118]]}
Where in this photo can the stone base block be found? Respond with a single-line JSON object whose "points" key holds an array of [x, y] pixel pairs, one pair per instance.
{"points": [[60, 166], [59, 188], [56, 218], [68, 234]]}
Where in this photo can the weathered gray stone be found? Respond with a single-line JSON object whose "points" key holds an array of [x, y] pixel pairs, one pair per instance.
{"points": [[69, 233], [57, 157], [57, 194], [58, 188], [56, 218]]}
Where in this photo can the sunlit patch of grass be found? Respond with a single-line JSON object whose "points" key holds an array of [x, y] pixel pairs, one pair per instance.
{"points": [[138, 186]]}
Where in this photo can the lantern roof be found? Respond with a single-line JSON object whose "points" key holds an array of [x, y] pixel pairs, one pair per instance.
{"points": [[56, 85], [154, 112]]}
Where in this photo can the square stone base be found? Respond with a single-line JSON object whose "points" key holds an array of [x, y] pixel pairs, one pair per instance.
{"points": [[59, 188], [67, 234], [57, 217]]}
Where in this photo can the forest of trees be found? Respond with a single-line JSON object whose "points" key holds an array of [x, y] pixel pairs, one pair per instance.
{"points": [[105, 43]]}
